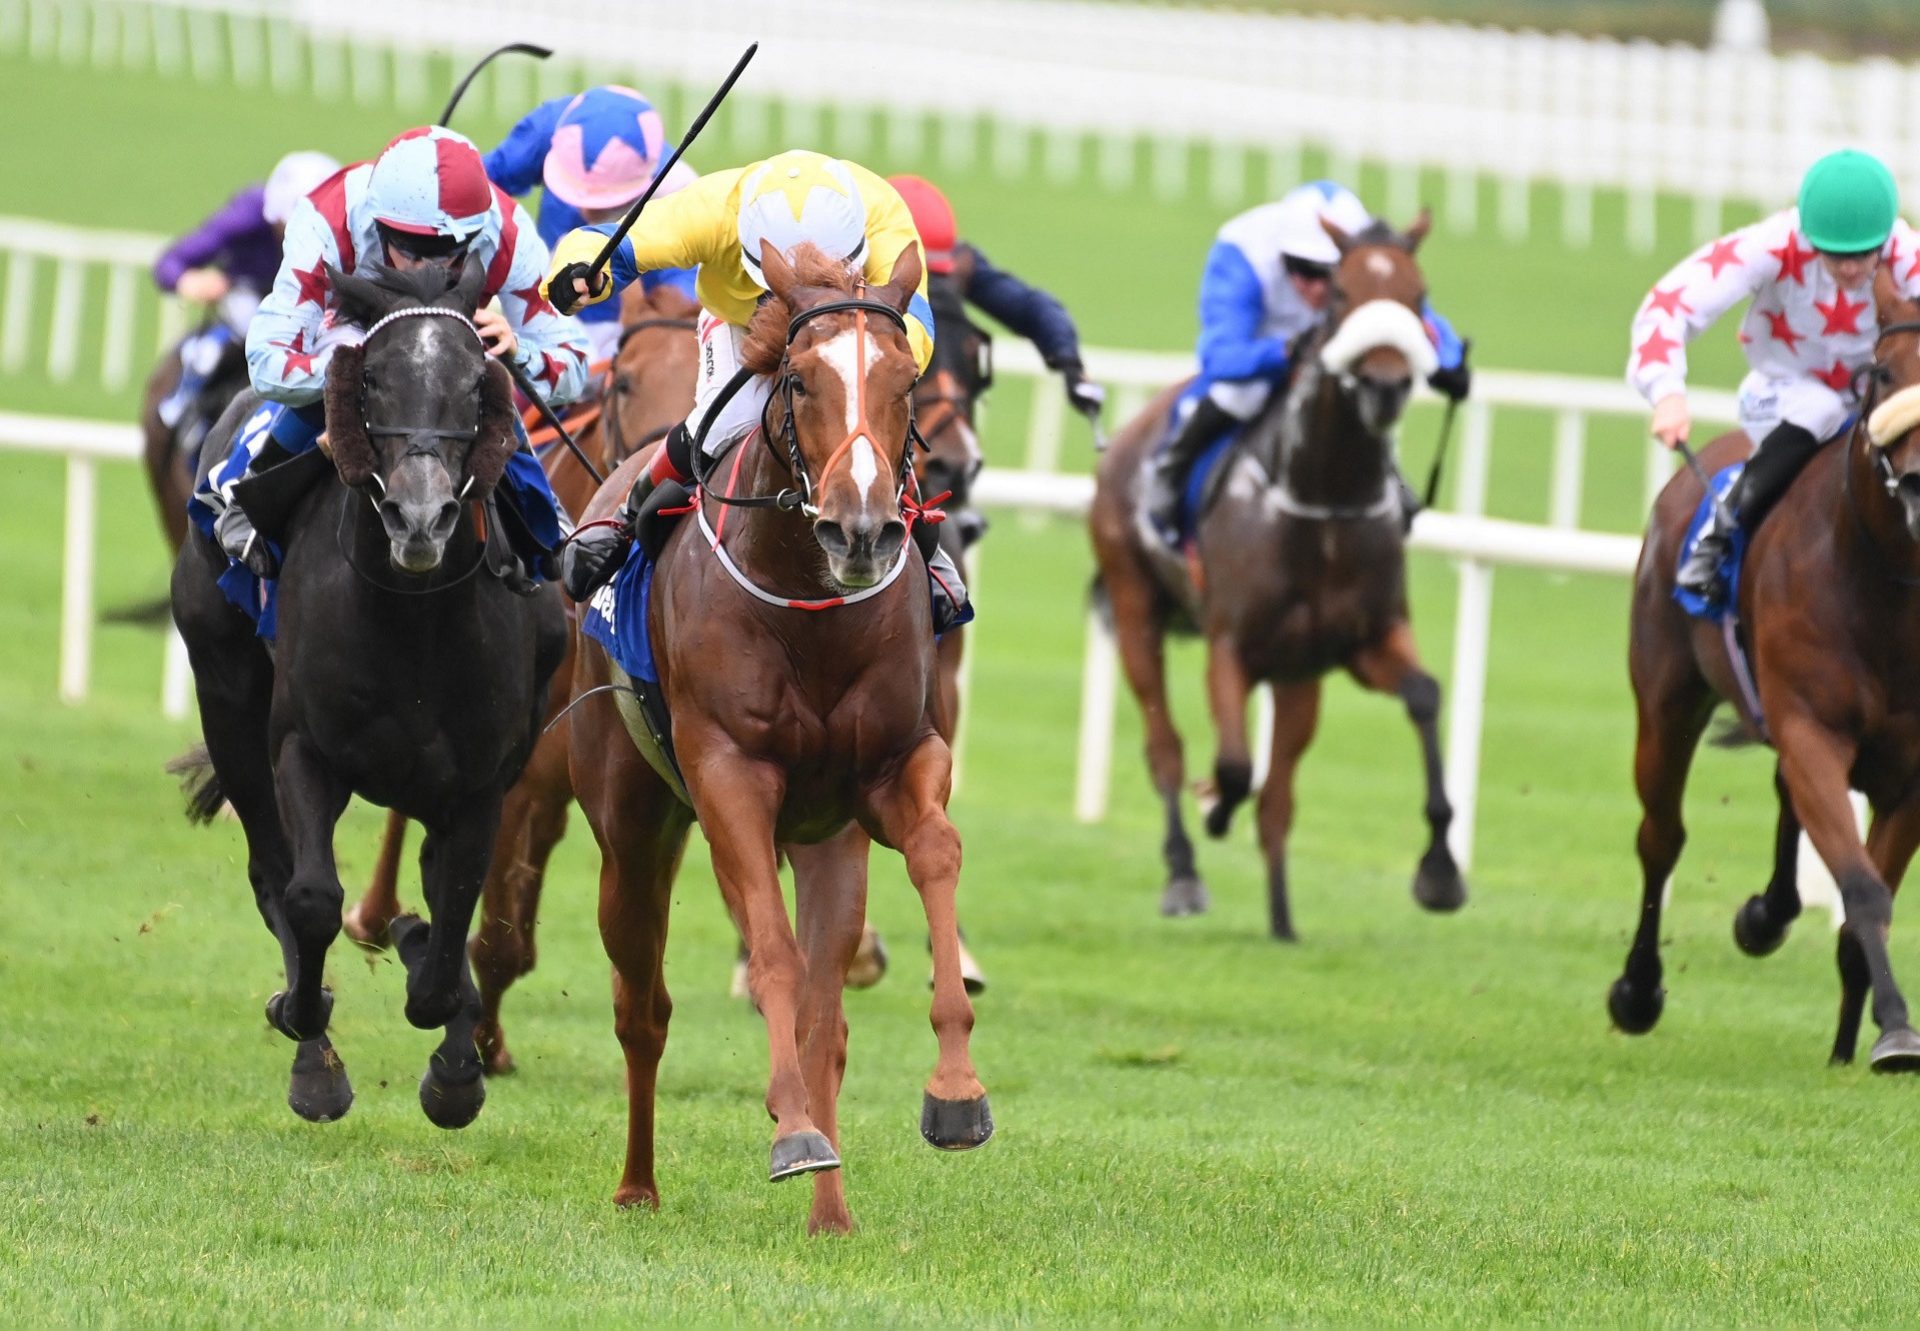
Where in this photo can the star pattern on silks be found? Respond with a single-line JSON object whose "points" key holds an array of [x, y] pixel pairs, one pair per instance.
{"points": [[1913, 270], [1793, 259], [1836, 376], [313, 284], [1656, 349], [1670, 301], [299, 359], [536, 301], [551, 368], [1843, 316], [1723, 254], [1782, 330]]}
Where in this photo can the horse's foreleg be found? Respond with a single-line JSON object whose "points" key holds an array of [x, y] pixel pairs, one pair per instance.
{"points": [[910, 814], [368, 921], [1816, 761], [440, 989], [1296, 714], [1393, 666], [1891, 841], [1760, 925], [1140, 636], [311, 800], [533, 818], [830, 903], [1227, 690]]}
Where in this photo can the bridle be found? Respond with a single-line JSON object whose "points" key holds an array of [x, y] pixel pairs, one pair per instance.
{"points": [[421, 438], [1876, 373], [617, 448]]}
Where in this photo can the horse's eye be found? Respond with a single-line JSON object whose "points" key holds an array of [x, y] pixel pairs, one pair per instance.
{"points": [[622, 383], [1883, 374], [796, 385]]}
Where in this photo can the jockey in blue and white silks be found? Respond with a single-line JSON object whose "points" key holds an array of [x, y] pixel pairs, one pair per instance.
{"points": [[1267, 281], [425, 200], [594, 153]]}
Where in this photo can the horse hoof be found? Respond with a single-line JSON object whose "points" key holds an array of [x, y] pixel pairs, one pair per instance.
{"points": [[869, 963], [801, 1153], [1753, 930], [319, 1090], [1438, 885], [452, 1102], [277, 1018], [1185, 895], [1219, 819], [1896, 1051], [374, 937], [955, 1125], [1633, 1010]]}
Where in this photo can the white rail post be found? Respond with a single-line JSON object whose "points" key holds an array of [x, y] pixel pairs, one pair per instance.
{"points": [[963, 681], [116, 347], [1472, 621], [176, 684], [1569, 468], [76, 580], [1094, 766], [63, 340], [16, 314]]}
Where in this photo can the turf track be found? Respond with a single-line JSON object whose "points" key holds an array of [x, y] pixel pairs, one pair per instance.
{"points": [[1404, 1118]]}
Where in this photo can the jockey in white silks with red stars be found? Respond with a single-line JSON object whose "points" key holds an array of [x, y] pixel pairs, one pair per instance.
{"points": [[1811, 327], [1267, 281], [425, 200], [719, 223]]}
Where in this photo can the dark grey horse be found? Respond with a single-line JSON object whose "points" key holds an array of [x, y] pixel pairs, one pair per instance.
{"points": [[402, 671]]}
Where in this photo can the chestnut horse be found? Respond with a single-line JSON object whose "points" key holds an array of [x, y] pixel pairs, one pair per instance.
{"points": [[647, 389], [1831, 595], [1297, 569], [811, 732]]}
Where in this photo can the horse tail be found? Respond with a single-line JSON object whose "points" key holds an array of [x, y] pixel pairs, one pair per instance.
{"points": [[199, 783]]}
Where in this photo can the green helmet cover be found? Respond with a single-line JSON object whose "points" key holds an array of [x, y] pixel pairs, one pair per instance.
{"points": [[1848, 202]]}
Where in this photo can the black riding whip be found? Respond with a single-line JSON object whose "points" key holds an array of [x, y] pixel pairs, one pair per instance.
{"points": [[460, 90], [560, 289], [524, 382], [1440, 453], [1706, 483]]}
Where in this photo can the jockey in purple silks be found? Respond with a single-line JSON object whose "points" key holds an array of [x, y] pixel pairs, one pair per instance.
{"points": [[424, 201]]}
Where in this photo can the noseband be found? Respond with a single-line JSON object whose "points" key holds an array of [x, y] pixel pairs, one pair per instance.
{"points": [[422, 437]]}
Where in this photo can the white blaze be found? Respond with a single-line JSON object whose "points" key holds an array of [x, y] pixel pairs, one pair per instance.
{"points": [[839, 353]]}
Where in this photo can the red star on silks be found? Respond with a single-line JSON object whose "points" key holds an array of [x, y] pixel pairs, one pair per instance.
{"points": [[535, 300], [1669, 302], [1836, 376], [551, 368], [1914, 270], [1746, 338], [1783, 331], [1842, 316], [1793, 259], [1724, 254], [1656, 349], [299, 360], [313, 284], [1893, 252]]}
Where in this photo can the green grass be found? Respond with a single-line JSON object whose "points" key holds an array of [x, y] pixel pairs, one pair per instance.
{"points": [[1403, 1119]]}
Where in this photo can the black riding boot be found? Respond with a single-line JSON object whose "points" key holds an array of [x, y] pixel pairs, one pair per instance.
{"points": [[1771, 469], [595, 553], [1170, 470]]}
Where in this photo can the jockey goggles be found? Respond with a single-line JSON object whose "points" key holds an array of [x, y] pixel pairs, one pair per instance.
{"points": [[1306, 269], [424, 247]]}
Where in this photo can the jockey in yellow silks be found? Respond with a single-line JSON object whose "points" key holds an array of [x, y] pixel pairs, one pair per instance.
{"points": [[718, 224]]}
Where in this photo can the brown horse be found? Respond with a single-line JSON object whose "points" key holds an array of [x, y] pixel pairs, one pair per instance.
{"points": [[1298, 568], [1831, 595], [169, 465], [647, 389], [812, 732]]}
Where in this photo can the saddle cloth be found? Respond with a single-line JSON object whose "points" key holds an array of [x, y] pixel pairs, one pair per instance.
{"points": [[1728, 582]]}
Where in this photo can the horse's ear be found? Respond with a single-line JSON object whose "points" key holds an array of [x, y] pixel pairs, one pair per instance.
{"points": [[1341, 240], [465, 295], [781, 279], [360, 301], [904, 281], [497, 440], [347, 441], [1418, 231]]}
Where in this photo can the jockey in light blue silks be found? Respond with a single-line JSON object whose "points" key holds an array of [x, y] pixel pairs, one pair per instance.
{"points": [[425, 200], [1267, 281], [594, 153]]}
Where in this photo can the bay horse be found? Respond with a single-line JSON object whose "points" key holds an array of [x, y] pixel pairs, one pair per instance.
{"points": [[1830, 593], [397, 674], [169, 465], [646, 390], [1297, 568], [808, 732]]}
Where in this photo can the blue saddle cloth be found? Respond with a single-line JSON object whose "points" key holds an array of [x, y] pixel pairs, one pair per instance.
{"points": [[616, 617], [1728, 583], [1193, 496]]}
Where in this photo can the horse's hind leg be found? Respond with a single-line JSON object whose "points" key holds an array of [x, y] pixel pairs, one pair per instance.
{"points": [[1890, 845], [1227, 690], [1140, 634], [1393, 666], [910, 814], [367, 922], [532, 821], [1760, 926], [311, 800], [830, 903], [1296, 714], [1816, 762]]}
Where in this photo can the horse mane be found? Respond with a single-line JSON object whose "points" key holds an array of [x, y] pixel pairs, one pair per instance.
{"points": [[1379, 232], [766, 343], [374, 289]]}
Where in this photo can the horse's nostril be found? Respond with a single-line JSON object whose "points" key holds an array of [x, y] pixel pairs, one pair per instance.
{"points": [[832, 537], [443, 523], [893, 535]]}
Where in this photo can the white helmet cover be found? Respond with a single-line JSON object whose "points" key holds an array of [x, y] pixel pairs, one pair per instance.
{"points": [[294, 177], [800, 196], [1302, 207]]}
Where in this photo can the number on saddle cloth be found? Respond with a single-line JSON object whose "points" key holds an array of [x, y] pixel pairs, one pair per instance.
{"points": [[1728, 578]]}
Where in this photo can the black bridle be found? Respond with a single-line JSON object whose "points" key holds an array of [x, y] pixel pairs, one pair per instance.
{"points": [[422, 438], [802, 497], [1877, 374], [617, 449]]}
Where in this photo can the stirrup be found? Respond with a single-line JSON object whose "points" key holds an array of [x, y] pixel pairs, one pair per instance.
{"points": [[1700, 575]]}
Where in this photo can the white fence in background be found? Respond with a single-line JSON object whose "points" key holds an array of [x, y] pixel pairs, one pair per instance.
{"points": [[1150, 98], [71, 257]]}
